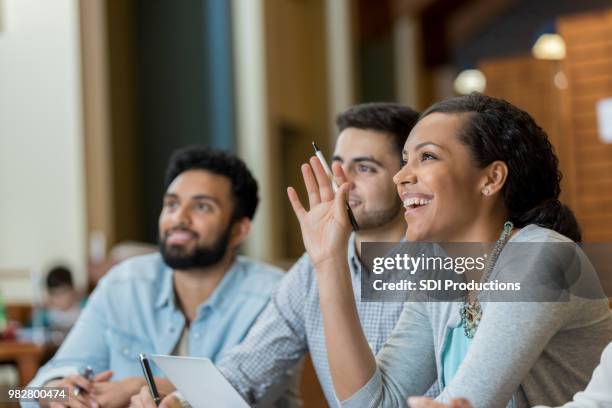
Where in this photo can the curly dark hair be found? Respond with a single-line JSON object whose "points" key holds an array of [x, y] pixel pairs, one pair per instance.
{"points": [[393, 119], [494, 130], [244, 185]]}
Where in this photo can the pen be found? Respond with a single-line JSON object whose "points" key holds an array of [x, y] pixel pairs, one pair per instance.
{"points": [[146, 369], [88, 373], [328, 171]]}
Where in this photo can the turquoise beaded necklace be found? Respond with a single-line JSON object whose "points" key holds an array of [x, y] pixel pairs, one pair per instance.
{"points": [[471, 310]]}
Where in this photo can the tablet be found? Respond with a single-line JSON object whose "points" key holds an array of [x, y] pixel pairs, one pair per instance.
{"points": [[199, 381]]}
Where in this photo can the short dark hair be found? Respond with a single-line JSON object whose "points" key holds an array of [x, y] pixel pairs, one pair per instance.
{"points": [[243, 184], [59, 276], [391, 118], [494, 129]]}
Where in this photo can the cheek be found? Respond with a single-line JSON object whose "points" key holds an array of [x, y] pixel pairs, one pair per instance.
{"points": [[379, 191], [61, 301], [447, 184], [455, 197], [67, 300], [163, 221], [208, 226]]}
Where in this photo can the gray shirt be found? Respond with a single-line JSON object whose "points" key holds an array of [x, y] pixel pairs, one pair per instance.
{"points": [[291, 326], [523, 354]]}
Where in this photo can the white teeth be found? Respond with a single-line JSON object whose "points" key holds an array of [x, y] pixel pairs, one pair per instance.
{"points": [[416, 201]]}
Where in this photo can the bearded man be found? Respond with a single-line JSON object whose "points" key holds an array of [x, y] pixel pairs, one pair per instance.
{"points": [[195, 297]]}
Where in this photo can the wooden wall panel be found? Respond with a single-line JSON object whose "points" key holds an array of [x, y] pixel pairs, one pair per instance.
{"points": [[530, 84], [568, 114], [588, 67]]}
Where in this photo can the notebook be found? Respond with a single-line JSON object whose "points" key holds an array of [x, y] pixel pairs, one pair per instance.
{"points": [[199, 381]]}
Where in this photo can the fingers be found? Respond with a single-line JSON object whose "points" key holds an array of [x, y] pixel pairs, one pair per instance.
{"points": [[318, 186], [340, 201], [324, 183], [164, 386], [298, 208], [80, 402], [143, 399], [104, 376], [171, 401], [339, 173], [83, 399], [460, 403], [424, 402], [312, 187], [79, 381]]}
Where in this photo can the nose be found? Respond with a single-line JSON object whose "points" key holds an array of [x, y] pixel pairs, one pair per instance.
{"points": [[181, 216], [347, 173], [405, 175]]}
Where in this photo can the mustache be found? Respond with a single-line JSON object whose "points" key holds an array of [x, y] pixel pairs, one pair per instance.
{"points": [[180, 229]]}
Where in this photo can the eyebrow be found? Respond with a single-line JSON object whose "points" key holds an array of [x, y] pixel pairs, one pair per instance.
{"points": [[417, 147], [359, 159], [195, 197]]}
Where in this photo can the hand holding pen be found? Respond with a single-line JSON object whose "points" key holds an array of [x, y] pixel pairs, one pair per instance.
{"points": [[328, 171], [87, 375], [148, 375], [80, 387], [325, 225]]}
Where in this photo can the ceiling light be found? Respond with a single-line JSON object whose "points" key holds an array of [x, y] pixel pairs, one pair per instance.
{"points": [[549, 47], [470, 80]]}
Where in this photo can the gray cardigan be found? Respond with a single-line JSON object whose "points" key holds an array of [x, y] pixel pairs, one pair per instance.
{"points": [[523, 354]]}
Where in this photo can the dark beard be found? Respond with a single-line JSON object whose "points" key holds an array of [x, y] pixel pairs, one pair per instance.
{"points": [[376, 219], [203, 256]]}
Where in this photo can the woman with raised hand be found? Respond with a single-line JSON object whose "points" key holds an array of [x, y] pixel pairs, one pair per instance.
{"points": [[476, 169]]}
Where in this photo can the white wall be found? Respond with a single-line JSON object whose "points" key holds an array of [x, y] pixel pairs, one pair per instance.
{"points": [[42, 207], [252, 130], [340, 60]]}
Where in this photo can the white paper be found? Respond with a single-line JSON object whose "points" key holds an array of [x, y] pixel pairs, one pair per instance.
{"points": [[199, 381]]}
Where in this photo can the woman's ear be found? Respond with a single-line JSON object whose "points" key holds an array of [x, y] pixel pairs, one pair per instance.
{"points": [[495, 177], [240, 230]]}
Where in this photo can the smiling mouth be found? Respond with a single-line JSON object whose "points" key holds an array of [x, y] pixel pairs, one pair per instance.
{"points": [[412, 203], [180, 237]]}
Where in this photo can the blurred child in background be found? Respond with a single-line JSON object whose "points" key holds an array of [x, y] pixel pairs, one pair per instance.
{"points": [[63, 304]]}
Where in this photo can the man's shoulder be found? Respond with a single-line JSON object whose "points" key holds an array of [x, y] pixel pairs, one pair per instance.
{"points": [[301, 274], [259, 276], [302, 265], [260, 268], [137, 270]]}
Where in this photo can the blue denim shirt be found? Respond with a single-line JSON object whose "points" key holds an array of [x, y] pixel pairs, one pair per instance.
{"points": [[133, 310]]}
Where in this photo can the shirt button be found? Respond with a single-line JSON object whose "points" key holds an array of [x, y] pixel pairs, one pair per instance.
{"points": [[126, 351], [196, 336]]}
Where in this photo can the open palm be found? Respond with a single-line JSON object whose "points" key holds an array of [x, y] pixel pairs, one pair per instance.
{"points": [[325, 226]]}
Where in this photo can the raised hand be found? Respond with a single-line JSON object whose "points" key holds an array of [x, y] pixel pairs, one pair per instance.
{"points": [[325, 226]]}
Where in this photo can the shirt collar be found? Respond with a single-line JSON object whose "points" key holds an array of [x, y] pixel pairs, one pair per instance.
{"points": [[166, 291], [229, 284], [216, 299], [353, 259]]}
